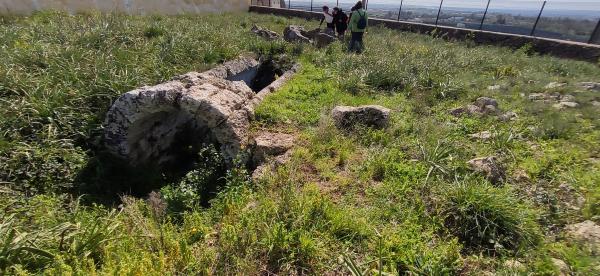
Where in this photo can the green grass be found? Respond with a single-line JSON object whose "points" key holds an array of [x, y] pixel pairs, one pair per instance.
{"points": [[400, 200]]}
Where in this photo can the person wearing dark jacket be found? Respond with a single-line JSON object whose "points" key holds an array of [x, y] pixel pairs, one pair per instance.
{"points": [[340, 20]]}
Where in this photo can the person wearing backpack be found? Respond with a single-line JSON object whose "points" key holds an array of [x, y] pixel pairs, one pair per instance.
{"points": [[340, 19], [358, 24]]}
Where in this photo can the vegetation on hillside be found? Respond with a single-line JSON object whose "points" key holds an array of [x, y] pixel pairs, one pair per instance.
{"points": [[400, 200]]}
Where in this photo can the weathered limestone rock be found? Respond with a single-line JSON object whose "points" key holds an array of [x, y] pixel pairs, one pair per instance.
{"points": [[488, 166], [153, 124], [312, 33], [457, 112], [145, 125], [480, 107], [567, 98], [544, 97], [591, 86], [508, 116], [165, 125], [494, 87], [474, 110], [271, 144], [554, 85], [587, 232], [514, 265], [323, 39], [521, 176], [563, 105], [294, 33], [563, 268], [468, 110], [264, 33], [278, 161], [484, 102], [484, 135], [345, 117]]}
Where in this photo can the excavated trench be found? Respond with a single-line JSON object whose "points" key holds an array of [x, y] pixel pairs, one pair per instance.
{"points": [[165, 126]]}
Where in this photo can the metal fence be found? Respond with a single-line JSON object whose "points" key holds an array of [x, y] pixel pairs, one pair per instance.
{"points": [[575, 20]]}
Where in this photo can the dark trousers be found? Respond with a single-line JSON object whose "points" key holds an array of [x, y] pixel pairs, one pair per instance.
{"points": [[356, 42], [341, 29]]}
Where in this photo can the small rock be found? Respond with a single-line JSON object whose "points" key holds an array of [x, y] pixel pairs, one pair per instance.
{"points": [[521, 176], [488, 166], [586, 232], [567, 98], [457, 112], [264, 33], [545, 97], [346, 117], [271, 144], [483, 102], [494, 87], [294, 33], [563, 105], [562, 267], [508, 116], [473, 110], [592, 86], [514, 265], [595, 103], [536, 96], [490, 110], [484, 135], [554, 85], [278, 161]]}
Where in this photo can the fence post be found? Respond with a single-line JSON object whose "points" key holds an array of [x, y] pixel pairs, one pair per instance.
{"points": [[538, 19], [484, 14], [337, 3], [311, 5], [289, 4], [595, 37], [439, 11], [400, 10]]}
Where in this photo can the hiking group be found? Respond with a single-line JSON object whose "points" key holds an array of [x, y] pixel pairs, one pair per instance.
{"points": [[338, 21]]}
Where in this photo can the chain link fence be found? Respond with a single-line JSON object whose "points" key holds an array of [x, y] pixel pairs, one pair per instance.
{"points": [[574, 20]]}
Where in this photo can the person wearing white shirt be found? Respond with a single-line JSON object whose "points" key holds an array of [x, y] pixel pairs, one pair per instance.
{"points": [[328, 18]]}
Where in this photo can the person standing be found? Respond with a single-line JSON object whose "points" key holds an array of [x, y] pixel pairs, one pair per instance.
{"points": [[358, 25], [328, 18], [340, 20]]}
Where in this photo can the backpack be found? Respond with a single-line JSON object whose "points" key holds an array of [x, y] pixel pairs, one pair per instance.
{"points": [[362, 22], [344, 17]]}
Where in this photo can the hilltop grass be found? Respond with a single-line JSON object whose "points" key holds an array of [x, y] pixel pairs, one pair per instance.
{"points": [[380, 200]]}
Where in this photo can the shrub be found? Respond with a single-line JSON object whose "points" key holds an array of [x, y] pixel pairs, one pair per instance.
{"points": [[555, 125], [154, 31], [49, 167], [198, 185], [488, 219]]}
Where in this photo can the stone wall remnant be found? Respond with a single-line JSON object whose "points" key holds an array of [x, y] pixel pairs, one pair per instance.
{"points": [[169, 122]]}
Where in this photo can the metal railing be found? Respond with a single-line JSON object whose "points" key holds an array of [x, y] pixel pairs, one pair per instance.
{"points": [[437, 10]]}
